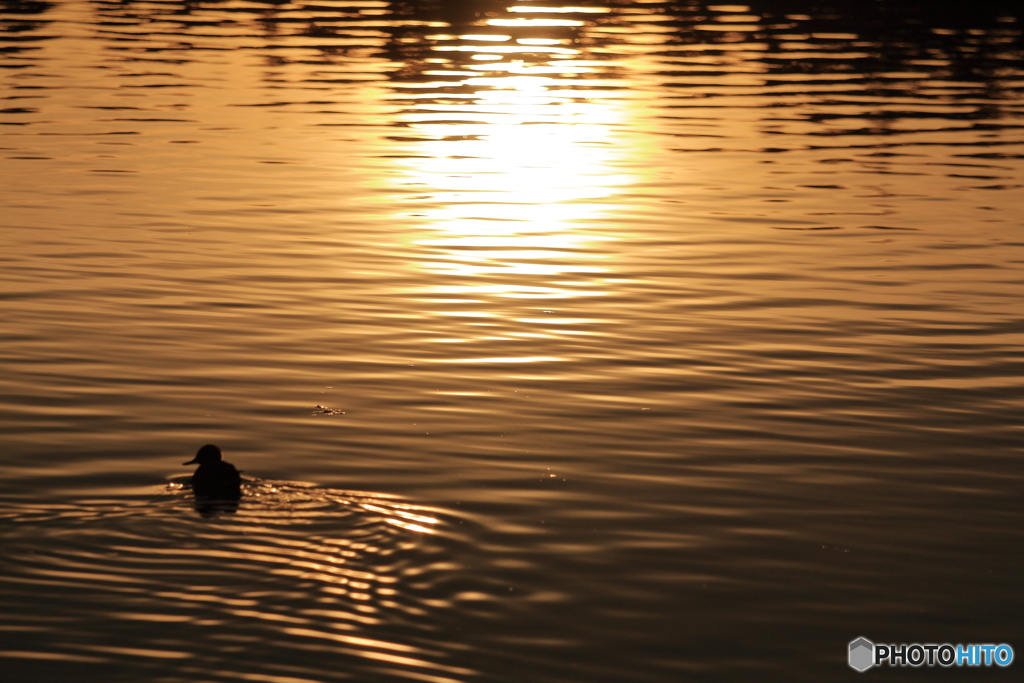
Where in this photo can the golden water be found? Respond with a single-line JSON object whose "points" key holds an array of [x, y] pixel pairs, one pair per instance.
{"points": [[658, 341]]}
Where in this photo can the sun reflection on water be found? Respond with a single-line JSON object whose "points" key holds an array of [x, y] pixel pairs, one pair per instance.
{"points": [[516, 154]]}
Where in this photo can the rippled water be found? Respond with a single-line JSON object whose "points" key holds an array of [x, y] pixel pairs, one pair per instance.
{"points": [[614, 341]]}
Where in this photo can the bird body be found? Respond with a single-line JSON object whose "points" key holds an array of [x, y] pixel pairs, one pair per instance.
{"points": [[215, 478]]}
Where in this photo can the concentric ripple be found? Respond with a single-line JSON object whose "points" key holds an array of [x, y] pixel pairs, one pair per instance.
{"points": [[310, 579]]}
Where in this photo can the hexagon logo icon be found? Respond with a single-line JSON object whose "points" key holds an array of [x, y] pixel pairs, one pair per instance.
{"points": [[862, 654]]}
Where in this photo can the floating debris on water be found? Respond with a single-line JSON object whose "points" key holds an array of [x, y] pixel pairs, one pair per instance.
{"points": [[324, 410]]}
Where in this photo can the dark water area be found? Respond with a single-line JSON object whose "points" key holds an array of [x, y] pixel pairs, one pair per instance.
{"points": [[604, 341]]}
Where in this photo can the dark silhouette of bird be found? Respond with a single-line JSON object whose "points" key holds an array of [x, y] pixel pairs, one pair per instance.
{"points": [[214, 478]]}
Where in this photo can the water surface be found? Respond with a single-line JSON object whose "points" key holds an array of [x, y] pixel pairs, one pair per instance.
{"points": [[608, 341]]}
